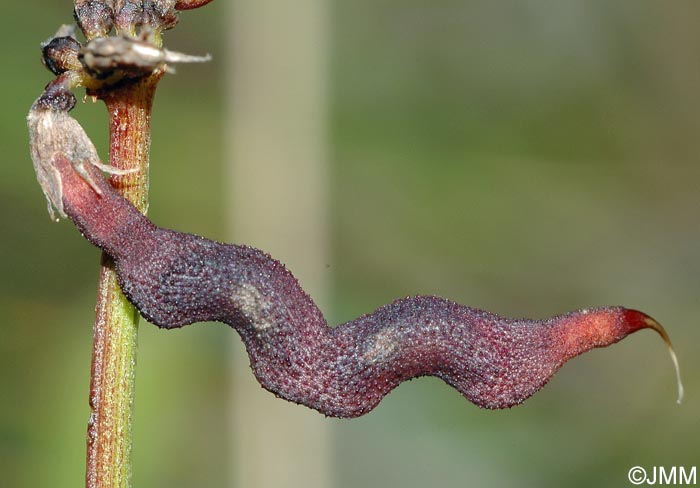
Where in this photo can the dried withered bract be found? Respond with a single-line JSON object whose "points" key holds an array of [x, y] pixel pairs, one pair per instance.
{"points": [[128, 56], [102, 57], [53, 132]]}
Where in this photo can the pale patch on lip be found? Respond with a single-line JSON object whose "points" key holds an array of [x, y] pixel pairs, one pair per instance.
{"points": [[382, 347], [253, 305]]}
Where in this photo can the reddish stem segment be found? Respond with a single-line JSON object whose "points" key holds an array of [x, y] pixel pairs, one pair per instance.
{"points": [[175, 279], [115, 332]]}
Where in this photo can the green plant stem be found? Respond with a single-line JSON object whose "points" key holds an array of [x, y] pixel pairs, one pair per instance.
{"points": [[112, 375]]}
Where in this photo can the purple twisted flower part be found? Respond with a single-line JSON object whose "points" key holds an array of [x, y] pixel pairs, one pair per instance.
{"points": [[175, 279]]}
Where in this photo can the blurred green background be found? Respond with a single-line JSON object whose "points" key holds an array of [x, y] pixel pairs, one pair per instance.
{"points": [[529, 158]]}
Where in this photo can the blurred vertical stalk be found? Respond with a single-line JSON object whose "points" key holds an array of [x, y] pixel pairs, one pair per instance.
{"points": [[278, 188], [116, 325]]}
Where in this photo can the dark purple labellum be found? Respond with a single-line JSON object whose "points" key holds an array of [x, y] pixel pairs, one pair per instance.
{"points": [[176, 279]]}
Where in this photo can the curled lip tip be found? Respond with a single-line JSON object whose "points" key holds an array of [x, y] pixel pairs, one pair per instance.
{"points": [[653, 324]]}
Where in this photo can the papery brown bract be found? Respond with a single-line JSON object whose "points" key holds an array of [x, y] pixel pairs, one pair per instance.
{"points": [[53, 133]]}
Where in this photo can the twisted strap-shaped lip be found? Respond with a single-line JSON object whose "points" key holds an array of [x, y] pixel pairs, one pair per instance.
{"points": [[176, 279]]}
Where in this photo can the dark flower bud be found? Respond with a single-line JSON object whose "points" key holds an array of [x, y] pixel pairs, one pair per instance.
{"points": [[60, 54], [95, 17]]}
